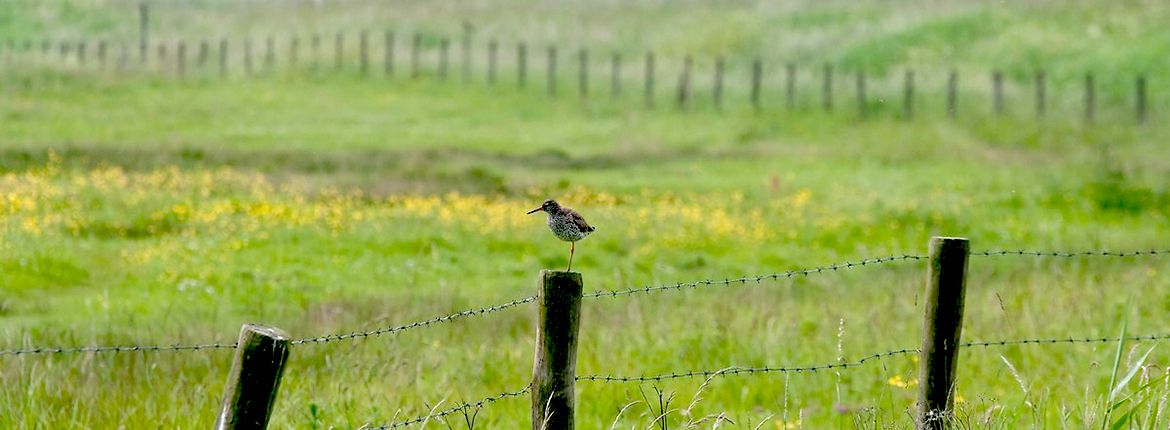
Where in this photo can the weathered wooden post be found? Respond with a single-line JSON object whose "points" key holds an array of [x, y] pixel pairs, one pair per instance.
{"points": [[952, 93], [552, 70], [1090, 98], [997, 92], [717, 86], [1041, 95], [942, 329], [583, 73], [827, 96], [790, 86], [757, 76], [684, 84], [648, 87], [388, 53], [1140, 99], [908, 97], [521, 64], [554, 369], [251, 387]]}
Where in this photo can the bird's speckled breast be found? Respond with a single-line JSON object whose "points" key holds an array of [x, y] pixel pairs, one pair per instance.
{"points": [[564, 229]]}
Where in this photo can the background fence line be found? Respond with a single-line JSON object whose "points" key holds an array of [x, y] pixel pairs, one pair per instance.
{"points": [[707, 81]]}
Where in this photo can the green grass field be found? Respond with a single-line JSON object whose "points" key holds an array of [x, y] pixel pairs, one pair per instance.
{"points": [[147, 210]]}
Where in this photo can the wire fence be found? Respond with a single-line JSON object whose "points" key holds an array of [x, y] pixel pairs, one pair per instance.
{"points": [[836, 267]]}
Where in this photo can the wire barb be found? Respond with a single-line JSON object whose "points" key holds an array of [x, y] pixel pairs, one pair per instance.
{"points": [[125, 348], [1065, 254], [414, 325]]}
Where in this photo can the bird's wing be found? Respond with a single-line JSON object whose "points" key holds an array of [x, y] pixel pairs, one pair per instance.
{"points": [[579, 221]]}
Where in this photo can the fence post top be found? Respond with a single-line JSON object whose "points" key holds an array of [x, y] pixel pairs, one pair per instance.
{"points": [[549, 274], [266, 331], [949, 239]]}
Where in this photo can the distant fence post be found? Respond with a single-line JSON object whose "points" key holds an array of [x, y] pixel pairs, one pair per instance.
{"points": [[1090, 98], [364, 52], [552, 70], [255, 376], [269, 54], [952, 94], [315, 43], [493, 53], [521, 64], [684, 84], [583, 72], [648, 89], [203, 54], [997, 92], [81, 49], [143, 28], [181, 59], [415, 47], [757, 76], [338, 50], [1140, 99], [223, 57], [388, 53], [465, 61], [294, 47], [248, 56], [827, 96], [555, 365], [615, 75], [1041, 95], [908, 96], [717, 90], [861, 107], [790, 86], [101, 54], [444, 50], [942, 329]]}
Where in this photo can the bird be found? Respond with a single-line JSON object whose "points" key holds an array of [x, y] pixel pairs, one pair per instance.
{"points": [[566, 224]]}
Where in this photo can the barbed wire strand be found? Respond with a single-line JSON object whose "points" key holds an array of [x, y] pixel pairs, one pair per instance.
{"points": [[449, 411], [735, 370], [414, 325], [994, 253], [125, 348], [757, 278]]}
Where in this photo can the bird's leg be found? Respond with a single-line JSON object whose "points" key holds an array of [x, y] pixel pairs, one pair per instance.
{"points": [[572, 248]]}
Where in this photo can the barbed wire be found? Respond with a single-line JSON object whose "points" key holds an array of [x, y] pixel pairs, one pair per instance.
{"points": [[757, 278], [126, 348], [735, 370], [424, 323], [994, 253], [449, 411]]}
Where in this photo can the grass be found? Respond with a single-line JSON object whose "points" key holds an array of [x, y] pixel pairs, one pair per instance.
{"points": [[151, 211]]}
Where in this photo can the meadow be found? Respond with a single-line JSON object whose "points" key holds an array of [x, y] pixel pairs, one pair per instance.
{"points": [[148, 210]]}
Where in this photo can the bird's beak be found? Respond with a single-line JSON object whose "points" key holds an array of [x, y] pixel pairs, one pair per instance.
{"points": [[534, 211]]}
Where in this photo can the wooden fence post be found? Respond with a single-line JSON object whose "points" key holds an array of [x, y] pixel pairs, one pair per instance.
{"points": [[203, 54], [1090, 98], [364, 52], [684, 84], [861, 102], [757, 76], [251, 387], [554, 369], [80, 52], [997, 92], [827, 95], [223, 57], [101, 54], [717, 90], [1041, 95], [415, 47], [552, 70], [908, 96], [181, 59], [952, 94], [338, 51], [790, 86], [615, 75], [583, 73], [315, 46], [521, 64], [388, 53], [648, 90], [444, 49], [942, 329], [493, 53], [248, 56], [269, 54], [1140, 99]]}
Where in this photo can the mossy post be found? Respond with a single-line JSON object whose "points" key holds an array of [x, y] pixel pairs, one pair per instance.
{"points": [[942, 329], [255, 376], [554, 369]]}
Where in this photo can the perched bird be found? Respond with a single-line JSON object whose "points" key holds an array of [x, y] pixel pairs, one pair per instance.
{"points": [[566, 224]]}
